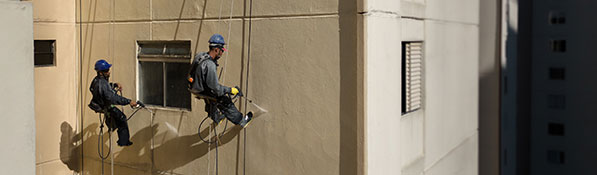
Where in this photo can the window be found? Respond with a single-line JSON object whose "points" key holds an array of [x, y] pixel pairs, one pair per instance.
{"points": [[44, 52], [556, 156], [163, 66], [556, 101], [557, 17], [555, 129], [412, 70], [557, 73], [558, 45]]}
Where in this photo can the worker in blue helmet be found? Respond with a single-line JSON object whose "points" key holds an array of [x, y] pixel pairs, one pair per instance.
{"points": [[203, 80], [104, 99]]}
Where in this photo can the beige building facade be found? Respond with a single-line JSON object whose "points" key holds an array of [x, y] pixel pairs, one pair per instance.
{"points": [[329, 74]]}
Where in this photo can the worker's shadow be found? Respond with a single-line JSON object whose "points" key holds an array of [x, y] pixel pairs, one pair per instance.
{"points": [[182, 150], [173, 153], [169, 155], [70, 147]]}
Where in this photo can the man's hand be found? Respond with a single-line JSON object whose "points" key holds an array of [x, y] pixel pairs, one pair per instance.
{"points": [[133, 103], [233, 91], [118, 86]]}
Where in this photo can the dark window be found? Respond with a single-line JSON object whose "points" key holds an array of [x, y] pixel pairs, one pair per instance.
{"points": [[555, 129], [557, 73], [556, 101], [556, 156], [557, 17], [44, 52], [412, 76], [558, 45], [163, 66]]}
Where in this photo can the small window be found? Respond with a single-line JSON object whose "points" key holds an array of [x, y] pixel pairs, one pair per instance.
{"points": [[556, 101], [557, 17], [44, 52], [556, 156], [557, 73], [555, 129], [558, 45], [412, 76], [163, 66]]}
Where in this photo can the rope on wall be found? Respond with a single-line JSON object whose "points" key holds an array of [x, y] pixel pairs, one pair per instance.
{"points": [[247, 85], [81, 78]]}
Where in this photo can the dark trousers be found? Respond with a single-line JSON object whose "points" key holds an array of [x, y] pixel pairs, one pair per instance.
{"points": [[223, 108], [117, 120]]}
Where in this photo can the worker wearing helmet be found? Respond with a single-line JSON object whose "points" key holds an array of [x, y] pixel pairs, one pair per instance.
{"points": [[105, 96], [203, 80]]}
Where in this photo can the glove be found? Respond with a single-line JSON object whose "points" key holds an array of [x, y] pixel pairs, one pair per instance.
{"points": [[233, 91]]}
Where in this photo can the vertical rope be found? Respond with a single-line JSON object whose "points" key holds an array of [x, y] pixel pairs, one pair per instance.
{"points": [[247, 84], [112, 159], [152, 113], [217, 144], [81, 78], [112, 56], [228, 41], [208, 149]]}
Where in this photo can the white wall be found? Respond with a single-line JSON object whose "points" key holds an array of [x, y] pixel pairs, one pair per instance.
{"points": [[382, 87], [442, 137], [451, 113], [17, 129]]}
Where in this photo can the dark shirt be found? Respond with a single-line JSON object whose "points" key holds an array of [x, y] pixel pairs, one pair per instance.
{"points": [[104, 94]]}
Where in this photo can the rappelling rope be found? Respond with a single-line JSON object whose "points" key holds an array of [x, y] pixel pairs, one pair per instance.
{"points": [[100, 141], [247, 85]]}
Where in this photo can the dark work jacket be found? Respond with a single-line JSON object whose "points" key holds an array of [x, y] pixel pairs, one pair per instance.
{"points": [[205, 76], [104, 94]]}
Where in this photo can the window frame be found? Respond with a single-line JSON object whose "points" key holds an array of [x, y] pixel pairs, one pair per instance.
{"points": [[53, 52], [556, 18], [164, 59]]}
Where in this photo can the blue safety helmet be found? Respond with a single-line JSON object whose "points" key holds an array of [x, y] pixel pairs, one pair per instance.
{"points": [[102, 65], [217, 40]]}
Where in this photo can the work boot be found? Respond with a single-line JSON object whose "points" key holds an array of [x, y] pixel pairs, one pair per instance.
{"points": [[125, 144], [246, 120]]}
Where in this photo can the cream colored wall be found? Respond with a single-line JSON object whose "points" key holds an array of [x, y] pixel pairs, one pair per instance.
{"points": [[328, 110], [441, 138], [56, 89], [17, 91], [294, 74]]}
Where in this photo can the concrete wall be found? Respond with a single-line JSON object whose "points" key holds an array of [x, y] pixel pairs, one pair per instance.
{"points": [[382, 101], [489, 87], [56, 89], [294, 74], [442, 137], [17, 92], [451, 123], [328, 72]]}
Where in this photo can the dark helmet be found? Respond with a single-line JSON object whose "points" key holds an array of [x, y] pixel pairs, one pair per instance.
{"points": [[102, 65]]}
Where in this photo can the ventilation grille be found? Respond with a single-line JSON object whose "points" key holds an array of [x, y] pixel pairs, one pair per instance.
{"points": [[413, 76]]}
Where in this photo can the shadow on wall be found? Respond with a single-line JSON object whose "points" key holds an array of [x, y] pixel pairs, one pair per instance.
{"points": [[184, 149], [349, 119]]}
